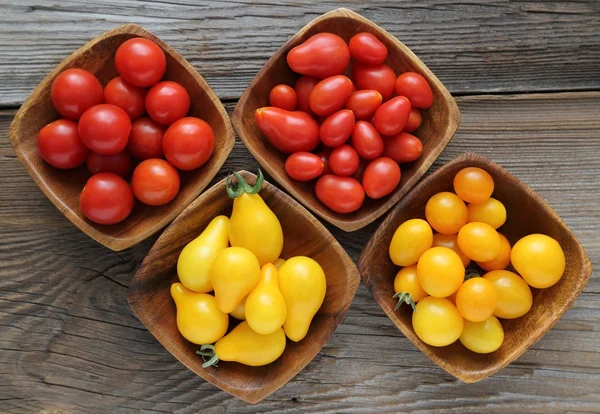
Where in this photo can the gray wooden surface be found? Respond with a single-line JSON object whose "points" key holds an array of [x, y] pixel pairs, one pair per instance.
{"points": [[68, 341]]}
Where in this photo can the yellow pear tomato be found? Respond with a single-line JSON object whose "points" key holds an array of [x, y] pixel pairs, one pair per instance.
{"points": [[265, 306]]}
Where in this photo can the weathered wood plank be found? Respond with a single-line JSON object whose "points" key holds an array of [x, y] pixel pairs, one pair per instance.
{"points": [[70, 344], [473, 47]]}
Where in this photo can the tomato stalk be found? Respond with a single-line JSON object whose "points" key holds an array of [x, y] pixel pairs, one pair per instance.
{"points": [[471, 274], [404, 297], [209, 356], [236, 189]]}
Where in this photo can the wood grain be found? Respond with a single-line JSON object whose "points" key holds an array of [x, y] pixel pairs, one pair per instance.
{"points": [[70, 344], [474, 47]]}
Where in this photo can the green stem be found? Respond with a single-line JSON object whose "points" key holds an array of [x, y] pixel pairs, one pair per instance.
{"points": [[236, 189], [404, 297], [209, 356], [471, 274]]}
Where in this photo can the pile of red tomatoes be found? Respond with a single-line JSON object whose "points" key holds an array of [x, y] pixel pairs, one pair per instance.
{"points": [[134, 115], [351, 134]]}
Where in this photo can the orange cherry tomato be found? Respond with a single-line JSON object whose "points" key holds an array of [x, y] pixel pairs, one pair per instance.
{"points": [[391, 117], [402, 147], [414, 120], [340, 194], [366, 48], [364, 103], [491, 211], [476, 299], [303, 87], [379, 77], [344, 160], [450, 241], [415, 88], [284, 97], [287, 131], [446, 213], [407, 287], [330, 95], [304, 166], [479, 241], [440, 272], [337, 128], [321, 55], [366, 140], [381, 177], [514, 295], [502, 259], [473, 184]]}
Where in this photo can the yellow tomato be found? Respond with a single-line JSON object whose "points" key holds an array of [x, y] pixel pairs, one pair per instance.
{"points": [[539, 259], [450, 241], [240, 310], [502, 259], [411, 239], [514, 295], [476, 299], [491, 212], [436, 321], [479, 241], [265, 306], [452, 298], [446, 213], [198, 318], [407, 287], [440, 272], [483, 337], [234, 274], [278, 263], [474, 185]]}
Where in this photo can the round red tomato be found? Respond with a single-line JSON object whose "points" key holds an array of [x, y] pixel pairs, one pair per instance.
{"points": [[337, 128], [366, 140], [140, 62], [340, 194], [155, 182], [304, 166], [330, 95], [74, 91], [60, 146], [366, 48], [414, 120], [324, 156], [105, 129], [119, 163], [344, 161], [381, 177], [321, 55], [379, 77], [106, 199], [129, 98], [391, 117], [188, 143], [287, 131], [167, 101], [403, 147], [303, 87], [415, 88], [146, 139], [284, 97], [364, 103]]}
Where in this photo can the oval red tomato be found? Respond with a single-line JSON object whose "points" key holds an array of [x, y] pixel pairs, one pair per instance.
{"points": [[403, 147], [303, 87], [414, 120], [344, 161], [330, 95], [337, 128], [155, 182], [284, 97], [381, 177], [321, 55], [324, 156], [304, 166], [106, 199], [126, 96], [188, 143], [340, 194], [140, 62], [146, 139], [415, 88], [105, 129], [74, 91], [366, 140], [391, 117], [119, 163], [60, 146], [366, 48], [287, 131], [364, 103], [379, 77], [167, 101]]}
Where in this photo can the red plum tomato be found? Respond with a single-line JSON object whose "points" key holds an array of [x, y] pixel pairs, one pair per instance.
{"points": [[337, 128], [367, 141], [414, 120], [340, 194], [364, 103], [415, 88], [284, 97], [321, 55], [403, 147], [287, 131], [330, 95], [366, 48], [344, 161], [303, 87], [381, 177], [379, 77], [391, 117], [304, 166]]}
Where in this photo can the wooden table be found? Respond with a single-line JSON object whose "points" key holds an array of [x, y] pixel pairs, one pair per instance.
{"points": [[527, 81]]}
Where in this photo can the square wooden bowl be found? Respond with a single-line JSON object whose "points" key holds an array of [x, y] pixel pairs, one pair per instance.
{"points": [[527, 213], [439, 122], [149, 293], [63, 187]]}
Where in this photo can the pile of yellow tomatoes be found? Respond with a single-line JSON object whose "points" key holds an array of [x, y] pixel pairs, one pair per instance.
{"points": [[237, 258], [450, 303]]}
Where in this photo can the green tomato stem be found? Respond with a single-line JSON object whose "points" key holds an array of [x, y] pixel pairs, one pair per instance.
{"points": [[404, 297], [236, 189], [471, 274], [209, 356]]}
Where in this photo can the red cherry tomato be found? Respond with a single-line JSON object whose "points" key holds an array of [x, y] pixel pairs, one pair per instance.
{"points": [[284, 97], [74, 91], [129, 98], [304, 166], [322, 55], [287, 131], [324, 155], [381, 177], [167, 101], [366, 48], [415, 88], [344, 161], [146, 139], [414, 120], [403, 147], [340, 194], [60, 146], [188, 143], [106, 199], [330, 95], [366, 140], [391, 117], [155, 182], [119, 163], [303, 87], [364, 103], [379, 77], [337, 128], [140, 62], [105, 129]]}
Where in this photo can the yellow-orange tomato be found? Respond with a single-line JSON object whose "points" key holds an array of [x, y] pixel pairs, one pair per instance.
{"points": [[482, 337], [479, 241], [502, 259], [446, 213], [491, 211], [449, 241], [476, 299], [474, 185], [539, 259], [407, 286], [437, 322], [440, 272], [411, 239], [514, 295]]}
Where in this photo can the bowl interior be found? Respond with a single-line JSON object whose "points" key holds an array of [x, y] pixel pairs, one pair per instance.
{"points": [[64, 186], [149, 292], [527, 213], [439, 122]]}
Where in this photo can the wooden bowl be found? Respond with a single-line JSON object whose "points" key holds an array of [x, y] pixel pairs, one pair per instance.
{"points": [[63, 187], [149, 293], [439, 122], [527, 213]]}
